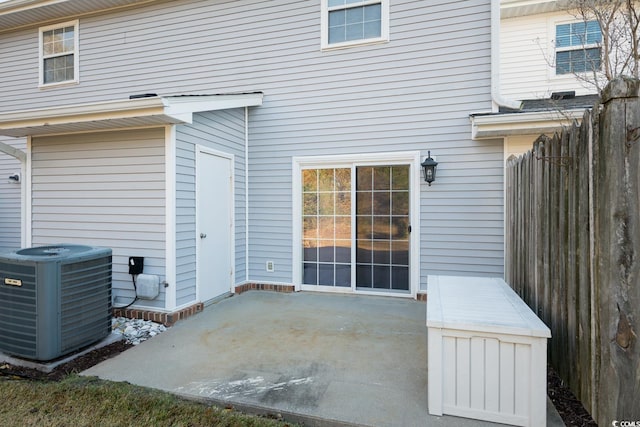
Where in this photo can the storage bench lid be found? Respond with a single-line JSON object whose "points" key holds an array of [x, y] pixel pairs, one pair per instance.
{"points": [[480, 304]]}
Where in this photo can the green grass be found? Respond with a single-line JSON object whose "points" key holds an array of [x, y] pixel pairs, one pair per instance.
{"points": [[82, 401]]}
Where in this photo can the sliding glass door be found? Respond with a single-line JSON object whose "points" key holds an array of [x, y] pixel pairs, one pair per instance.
{"points": [[355, 227]]}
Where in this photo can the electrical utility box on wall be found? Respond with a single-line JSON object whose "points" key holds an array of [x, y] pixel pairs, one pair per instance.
{"points": [[54, 300], [136, 265], [148, 286]]}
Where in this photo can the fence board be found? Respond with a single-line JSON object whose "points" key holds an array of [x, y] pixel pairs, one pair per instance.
{"points": [[538, 279], [583, 266], [570, 291]]}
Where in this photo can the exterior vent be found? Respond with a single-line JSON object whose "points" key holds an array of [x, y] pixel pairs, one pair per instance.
{"points": [[54, 300], [557, 96], [143, 95]]}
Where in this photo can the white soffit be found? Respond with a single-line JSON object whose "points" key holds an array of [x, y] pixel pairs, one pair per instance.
{"points": [[500, 125], [141, 112], [23, 13], [515, 8]]}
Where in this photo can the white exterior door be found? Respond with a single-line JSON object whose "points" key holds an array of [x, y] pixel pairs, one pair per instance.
{"points": [[214, 224]]}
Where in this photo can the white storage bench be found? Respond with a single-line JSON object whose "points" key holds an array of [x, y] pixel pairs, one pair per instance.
{"points": [[487, 352]]}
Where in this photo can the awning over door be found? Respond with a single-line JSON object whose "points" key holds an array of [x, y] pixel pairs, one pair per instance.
{"points": [[499, 125], [137, 112], [535, 117]]}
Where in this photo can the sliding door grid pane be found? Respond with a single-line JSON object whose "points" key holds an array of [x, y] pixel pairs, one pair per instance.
{"points": [[326, 226], [382, 227]]}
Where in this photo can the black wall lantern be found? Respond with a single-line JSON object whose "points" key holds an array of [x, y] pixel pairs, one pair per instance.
{"points": [[429, 167]]}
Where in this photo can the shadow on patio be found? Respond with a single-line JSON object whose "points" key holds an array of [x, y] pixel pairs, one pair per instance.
{"points": [[320, 359]]}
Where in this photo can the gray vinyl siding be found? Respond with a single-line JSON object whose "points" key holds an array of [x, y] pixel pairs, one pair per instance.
{"points": [[412, 93], [10, 199], [104, 189], [221, 131], [185, 220]]}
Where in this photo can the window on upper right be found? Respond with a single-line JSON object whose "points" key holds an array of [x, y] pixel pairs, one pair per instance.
{"points": [[578, 47]]}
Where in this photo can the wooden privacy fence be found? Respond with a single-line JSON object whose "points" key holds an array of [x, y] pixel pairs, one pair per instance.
{"points": [[573, 249]]}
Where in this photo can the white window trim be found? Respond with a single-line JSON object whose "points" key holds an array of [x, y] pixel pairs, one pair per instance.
{"points": [[411, 158], [76, 54], [324, 27], [553, 23]]}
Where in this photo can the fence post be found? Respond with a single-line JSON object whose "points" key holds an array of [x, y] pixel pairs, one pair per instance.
{"points": [[617, 252]]}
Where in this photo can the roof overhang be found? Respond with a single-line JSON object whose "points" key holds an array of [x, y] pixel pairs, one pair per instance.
{"points": [[488, 126], [22, 13], [515, 8], [141, 112]]}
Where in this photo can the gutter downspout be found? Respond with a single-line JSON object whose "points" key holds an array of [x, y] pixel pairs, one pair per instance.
{"points": [[499, 101], [246, 194], [497, 98]]}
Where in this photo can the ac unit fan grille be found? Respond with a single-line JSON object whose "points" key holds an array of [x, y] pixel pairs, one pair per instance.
{"points": [[85, 290]]}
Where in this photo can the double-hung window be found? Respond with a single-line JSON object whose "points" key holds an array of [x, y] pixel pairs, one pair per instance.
{"points": [[351, 22], [578, 47], [59, 54]]}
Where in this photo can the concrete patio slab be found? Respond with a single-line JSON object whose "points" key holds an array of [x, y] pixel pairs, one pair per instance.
{"points": [[321, 359]]}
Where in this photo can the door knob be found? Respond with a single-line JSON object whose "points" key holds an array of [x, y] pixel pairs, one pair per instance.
{"points": [[203, 235]]}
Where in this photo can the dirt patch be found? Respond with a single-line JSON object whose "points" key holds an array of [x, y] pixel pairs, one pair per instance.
{"points": [[76, 365], [568, 406]]}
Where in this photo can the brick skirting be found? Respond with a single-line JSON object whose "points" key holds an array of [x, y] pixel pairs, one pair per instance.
{"points": [[290, 288], [167, 319], [264, 287]]}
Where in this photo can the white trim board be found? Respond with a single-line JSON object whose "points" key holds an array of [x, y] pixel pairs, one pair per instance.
{"points": [[170, 218]]}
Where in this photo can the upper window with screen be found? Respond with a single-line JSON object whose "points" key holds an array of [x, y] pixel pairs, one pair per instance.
{"points": [[59, 54], [578, 47], [352, 22]]}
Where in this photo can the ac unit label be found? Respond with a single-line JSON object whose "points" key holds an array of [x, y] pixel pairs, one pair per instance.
{"points": [[12, 282]]}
